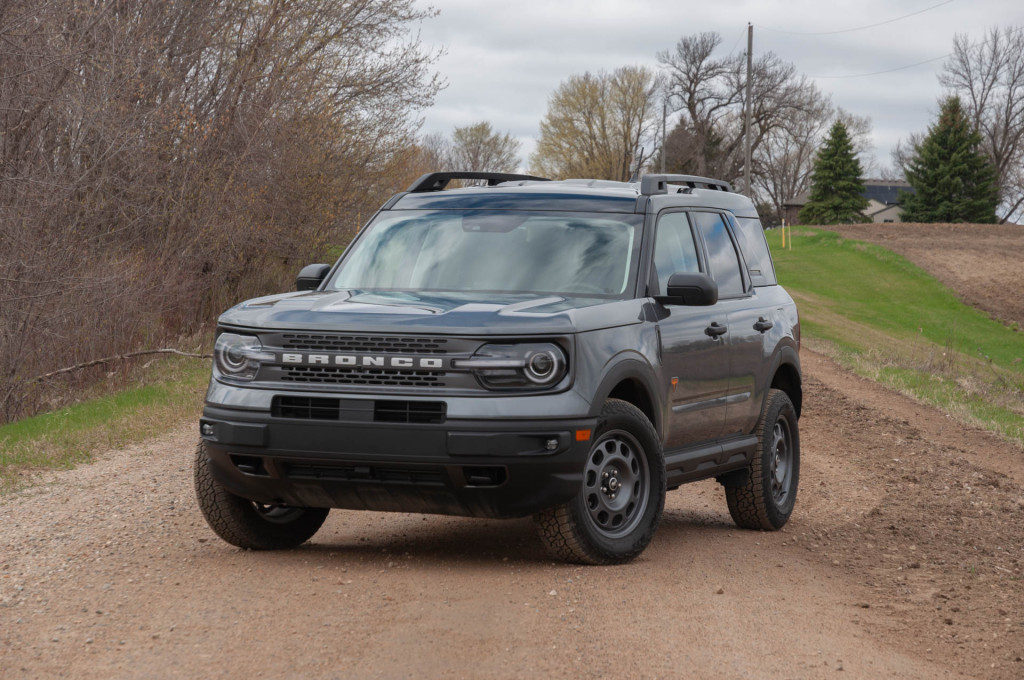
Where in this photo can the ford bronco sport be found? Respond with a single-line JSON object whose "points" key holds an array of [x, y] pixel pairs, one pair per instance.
{"points": [[563, 349]]}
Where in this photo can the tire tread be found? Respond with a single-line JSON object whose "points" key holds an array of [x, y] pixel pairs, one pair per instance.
{"points": [[237, 522], [560, 530], [749, 504]]}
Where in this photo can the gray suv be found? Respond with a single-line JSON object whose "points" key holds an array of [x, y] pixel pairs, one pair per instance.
{"points": [[569, 350]]}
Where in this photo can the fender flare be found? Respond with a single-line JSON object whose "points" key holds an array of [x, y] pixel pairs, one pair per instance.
{"points": [[631, 368], [787, 355]]}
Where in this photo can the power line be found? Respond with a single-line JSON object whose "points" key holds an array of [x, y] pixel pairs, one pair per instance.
{"points": [[859, 28], [737, 43], [903, 68], [878, 73]]}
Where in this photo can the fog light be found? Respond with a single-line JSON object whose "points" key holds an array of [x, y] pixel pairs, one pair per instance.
{"points": [[551, 444], [206, 429]]}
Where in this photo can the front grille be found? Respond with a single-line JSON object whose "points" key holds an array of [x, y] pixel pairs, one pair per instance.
{"points": [[307, 408], [337, 375], [410, 411], [420, 476], [363, 343]]}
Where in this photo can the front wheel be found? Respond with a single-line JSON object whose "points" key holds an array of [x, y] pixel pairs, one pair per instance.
{"points": [[766, 499], [247, 524], [613, 517]]}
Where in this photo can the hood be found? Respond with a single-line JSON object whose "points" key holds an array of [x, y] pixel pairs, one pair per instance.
{"points": [[434, 313]]}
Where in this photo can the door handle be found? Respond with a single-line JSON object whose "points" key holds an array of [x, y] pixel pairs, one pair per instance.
{"points": [[714, 330], [763, 324]]}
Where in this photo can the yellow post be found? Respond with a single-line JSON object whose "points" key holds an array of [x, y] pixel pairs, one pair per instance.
{"points": [[783, 234]]}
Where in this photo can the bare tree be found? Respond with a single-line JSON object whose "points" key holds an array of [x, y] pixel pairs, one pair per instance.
{"points": [[161, 160], [596, 125], [785, 157], [988, 77], [710, 91], [790, 117], [478, 148], [904, 151]]}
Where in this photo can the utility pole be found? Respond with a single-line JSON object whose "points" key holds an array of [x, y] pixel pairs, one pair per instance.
{"points": [[746, 134]]}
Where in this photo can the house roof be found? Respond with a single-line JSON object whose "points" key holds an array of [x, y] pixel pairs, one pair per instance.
{"points": [[884, 191]]}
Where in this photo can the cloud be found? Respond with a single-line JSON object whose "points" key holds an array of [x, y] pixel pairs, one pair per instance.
{"points": [[504, 60]]}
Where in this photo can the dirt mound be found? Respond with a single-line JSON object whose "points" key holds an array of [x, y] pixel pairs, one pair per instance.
{"points": [[982, 262]]}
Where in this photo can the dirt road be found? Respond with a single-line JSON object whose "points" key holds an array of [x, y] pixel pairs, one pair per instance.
{"points": [[903, 560]]}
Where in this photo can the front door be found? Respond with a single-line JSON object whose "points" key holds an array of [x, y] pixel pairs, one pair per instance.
{"points": [[694, 352]]}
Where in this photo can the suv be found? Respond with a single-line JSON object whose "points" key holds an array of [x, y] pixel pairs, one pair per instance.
{"points": [[563, 349]]}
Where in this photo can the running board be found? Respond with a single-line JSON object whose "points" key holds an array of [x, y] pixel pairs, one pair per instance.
{"points": [[709, 460]]}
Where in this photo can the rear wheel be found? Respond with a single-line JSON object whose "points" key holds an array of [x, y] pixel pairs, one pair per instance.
{"points": [[766, 499], [247, 524], [614, 516]]}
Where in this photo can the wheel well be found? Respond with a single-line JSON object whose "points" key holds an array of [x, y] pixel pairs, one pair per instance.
{"points": [[787, 379], [633, 391]]}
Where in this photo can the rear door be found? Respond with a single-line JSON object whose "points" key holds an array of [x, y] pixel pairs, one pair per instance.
{"points": [[739, 304]]}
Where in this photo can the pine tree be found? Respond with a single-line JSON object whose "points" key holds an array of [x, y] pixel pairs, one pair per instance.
{"points": [[837, 191], [953, 179]]}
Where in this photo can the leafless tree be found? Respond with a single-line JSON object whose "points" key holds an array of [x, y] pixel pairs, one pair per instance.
{"points": [[478, 148], [790, 117], [597, 124], [988, 76], [159, 161], [904, 151]]}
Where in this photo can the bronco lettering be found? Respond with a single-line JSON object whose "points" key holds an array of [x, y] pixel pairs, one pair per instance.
{"points": [[353, 360]]}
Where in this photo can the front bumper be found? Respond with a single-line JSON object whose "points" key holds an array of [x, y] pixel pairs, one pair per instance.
{"points": [[483, 468]]}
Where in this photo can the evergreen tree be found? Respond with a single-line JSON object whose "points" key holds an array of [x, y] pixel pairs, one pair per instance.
{"points": [[837, 191], [953, 179]]}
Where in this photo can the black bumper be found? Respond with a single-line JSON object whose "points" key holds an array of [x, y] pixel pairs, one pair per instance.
{"points": [[459, 467]]}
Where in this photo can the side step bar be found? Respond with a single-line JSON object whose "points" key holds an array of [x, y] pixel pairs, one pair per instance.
{"points": [[688, 465]]}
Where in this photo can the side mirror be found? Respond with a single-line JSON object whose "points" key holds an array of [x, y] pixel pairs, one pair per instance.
{"points": [[311, 276], [693, 290]]}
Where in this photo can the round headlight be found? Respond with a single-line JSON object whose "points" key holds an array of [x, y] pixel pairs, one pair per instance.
{"points": [[238, 357], [234, 358], [540, 367]]}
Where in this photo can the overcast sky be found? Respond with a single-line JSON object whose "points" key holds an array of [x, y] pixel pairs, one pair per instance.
{"points": [[504, 59]]}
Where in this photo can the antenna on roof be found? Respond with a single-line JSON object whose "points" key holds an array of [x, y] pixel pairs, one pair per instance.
{"points": [[634, 172]]}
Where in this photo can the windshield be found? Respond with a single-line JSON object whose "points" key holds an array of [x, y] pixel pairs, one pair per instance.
{"points": [[586, 254]]}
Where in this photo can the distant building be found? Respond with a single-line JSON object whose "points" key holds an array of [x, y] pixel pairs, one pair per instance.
{"points": [[883, 201]]}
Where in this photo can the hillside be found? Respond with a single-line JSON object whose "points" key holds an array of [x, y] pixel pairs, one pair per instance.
{"points": [[981, 262]]}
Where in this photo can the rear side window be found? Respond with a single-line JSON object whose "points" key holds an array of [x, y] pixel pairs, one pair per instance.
{"points": [[755, 250], [725, 264]]}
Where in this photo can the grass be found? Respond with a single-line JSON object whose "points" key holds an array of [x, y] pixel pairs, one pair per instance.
{"points": [[168, 392], [887, 319]]}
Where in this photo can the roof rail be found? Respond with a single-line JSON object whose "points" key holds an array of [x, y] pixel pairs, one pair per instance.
{"points": [[658, 184], [436, 181]]}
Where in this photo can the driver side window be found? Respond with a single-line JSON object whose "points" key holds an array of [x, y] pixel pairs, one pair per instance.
{"points": [[674, 250]]}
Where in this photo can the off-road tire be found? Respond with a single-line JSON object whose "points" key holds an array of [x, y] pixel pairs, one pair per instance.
{"points": [[766, 501], [249, 525], [627, 446]]}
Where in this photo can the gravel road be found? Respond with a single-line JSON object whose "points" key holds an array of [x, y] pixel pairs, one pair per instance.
{"points": [[903, 560]]}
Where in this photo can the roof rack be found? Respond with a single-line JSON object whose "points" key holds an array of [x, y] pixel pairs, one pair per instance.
{"points": [[658, 184], [436, 181]]}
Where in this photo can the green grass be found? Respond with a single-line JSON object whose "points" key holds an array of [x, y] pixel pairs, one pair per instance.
{"points": [[888, 320], [169, 392]]}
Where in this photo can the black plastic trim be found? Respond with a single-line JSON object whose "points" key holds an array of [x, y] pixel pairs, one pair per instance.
{"points": [[651, 185], [437, 181]]}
